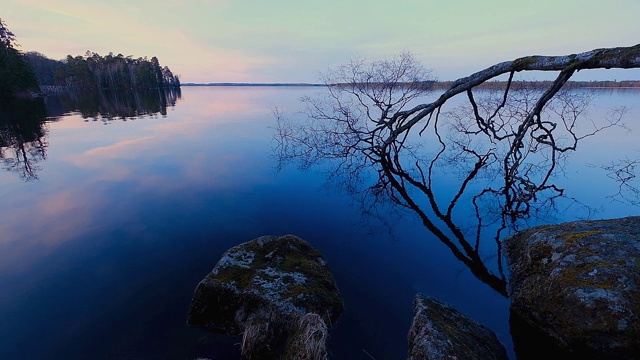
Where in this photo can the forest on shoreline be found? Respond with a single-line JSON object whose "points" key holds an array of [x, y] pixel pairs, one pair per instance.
{"points": [[93, 71], [31, 73]]}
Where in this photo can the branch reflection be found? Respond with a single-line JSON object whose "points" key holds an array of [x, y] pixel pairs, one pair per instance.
{"points": [[23, 132], [470, 172]]}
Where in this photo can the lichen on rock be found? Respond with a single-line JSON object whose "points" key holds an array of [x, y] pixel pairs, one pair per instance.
{"points": [[579, 283], [439, 332], [269, 290]]}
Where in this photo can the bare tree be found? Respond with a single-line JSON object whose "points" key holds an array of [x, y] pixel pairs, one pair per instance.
{"points": [[372, 117]]}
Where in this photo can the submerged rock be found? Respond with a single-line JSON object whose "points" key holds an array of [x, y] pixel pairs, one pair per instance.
{"points": [[579, 283], [277, 292], [439, 331]]}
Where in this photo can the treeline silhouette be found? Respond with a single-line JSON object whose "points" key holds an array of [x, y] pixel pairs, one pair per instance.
{"points": [[25, 74], [93, 71]]}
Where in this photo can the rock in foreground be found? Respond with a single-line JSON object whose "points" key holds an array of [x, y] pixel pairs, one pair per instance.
{"points": [[440, 332], [579, 283], [277, 292]]}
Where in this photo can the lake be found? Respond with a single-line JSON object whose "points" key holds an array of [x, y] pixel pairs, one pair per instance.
{"points": [[117, 206]]}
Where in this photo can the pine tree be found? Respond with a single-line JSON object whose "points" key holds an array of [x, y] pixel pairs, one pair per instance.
{"points": [[16, 74]]}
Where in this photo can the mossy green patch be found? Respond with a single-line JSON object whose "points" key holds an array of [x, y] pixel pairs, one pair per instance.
{"points": [[286, 270], [234, 275], [572, 237], [290, 256], [585, 274], [523, 63], [578, 282], [625, 56]]}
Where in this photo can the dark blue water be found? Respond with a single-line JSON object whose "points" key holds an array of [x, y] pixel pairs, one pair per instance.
{"points": [[105, 234]]}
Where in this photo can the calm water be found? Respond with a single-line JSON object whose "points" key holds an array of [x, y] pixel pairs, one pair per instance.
{"points": [[109, 223]]}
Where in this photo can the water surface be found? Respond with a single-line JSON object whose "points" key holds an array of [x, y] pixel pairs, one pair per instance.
{"points": [[113, 213]]}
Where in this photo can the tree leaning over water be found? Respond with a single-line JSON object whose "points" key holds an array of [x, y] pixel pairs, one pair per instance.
{"points": [[367, 120]]}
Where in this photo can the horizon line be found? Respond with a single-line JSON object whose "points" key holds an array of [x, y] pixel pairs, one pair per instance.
{"points": [[228, 83]]}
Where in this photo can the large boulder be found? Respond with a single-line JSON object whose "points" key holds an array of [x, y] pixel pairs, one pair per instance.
{"points": [[579, 283], [440, 332], [277, 292]]}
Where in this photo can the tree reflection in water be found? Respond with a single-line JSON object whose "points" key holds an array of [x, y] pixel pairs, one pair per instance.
{"points": [[494, 156], [108, 105], [23, 132], [23, 122]]}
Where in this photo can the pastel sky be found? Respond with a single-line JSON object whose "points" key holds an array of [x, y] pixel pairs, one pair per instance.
{"points": [[291, 41]]}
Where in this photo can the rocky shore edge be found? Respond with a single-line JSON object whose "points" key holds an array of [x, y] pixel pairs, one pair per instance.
{"points": [[574, 290]]}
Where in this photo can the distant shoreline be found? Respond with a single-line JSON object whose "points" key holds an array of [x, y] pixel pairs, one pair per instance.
{"points": [[622, 84], [251, 84]]}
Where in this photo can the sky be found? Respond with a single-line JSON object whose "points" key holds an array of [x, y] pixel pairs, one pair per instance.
{"points": [[294, 41]]}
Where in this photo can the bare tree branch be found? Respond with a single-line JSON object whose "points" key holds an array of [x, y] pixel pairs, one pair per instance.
{"points": [[620, 57], [515, 139]]}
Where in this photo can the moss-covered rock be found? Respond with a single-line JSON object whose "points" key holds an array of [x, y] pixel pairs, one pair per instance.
{"points": [[440, 332], [267, 290], [579, 283]]}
